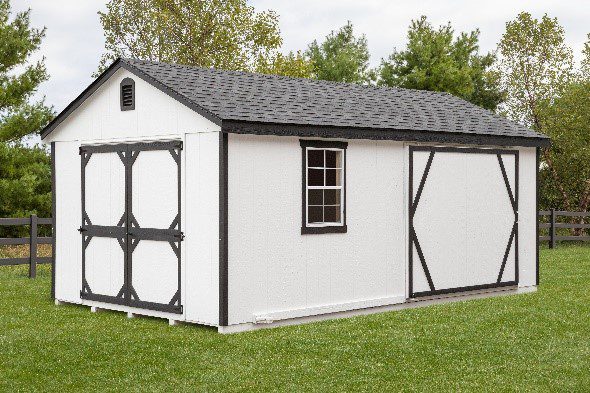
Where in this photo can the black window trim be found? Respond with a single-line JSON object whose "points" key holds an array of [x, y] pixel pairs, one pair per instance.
{"points": [[321, 144], [127, 82]]}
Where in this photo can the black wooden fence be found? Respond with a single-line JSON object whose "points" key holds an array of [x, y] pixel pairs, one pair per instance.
{"points": [[550, 220], [33, 240]]}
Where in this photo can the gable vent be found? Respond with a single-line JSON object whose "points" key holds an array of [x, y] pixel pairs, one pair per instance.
{"points": [[127, 94]]}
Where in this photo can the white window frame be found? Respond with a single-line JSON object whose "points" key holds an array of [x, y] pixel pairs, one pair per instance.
{"points": [[341, 187]]}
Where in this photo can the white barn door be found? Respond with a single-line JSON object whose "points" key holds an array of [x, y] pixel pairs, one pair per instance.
{"points": [[463, 219], [131, 229]]}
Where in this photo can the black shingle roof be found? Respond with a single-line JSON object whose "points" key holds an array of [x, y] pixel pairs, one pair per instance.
{"points": [[249, 102], [231, 95]]}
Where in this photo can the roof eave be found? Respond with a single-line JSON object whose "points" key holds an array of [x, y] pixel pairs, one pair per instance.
{"points": [[306, 130]]}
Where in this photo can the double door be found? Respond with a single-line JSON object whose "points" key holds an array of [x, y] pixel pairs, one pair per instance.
{"points": [[131, 227]]}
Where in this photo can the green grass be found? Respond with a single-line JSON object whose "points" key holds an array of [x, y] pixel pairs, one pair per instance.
{"points": [[531, 342]]}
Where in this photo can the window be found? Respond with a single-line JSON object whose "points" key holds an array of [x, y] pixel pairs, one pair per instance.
{"points": [[127, 94], [324, 187]]}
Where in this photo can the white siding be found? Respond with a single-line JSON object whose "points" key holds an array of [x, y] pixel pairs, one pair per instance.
{"points": [[527, 241], [201, 223], [68, 270], [272, 267]]}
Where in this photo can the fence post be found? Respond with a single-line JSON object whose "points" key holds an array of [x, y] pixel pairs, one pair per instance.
{"points": [[552, 230], [33, 247]]}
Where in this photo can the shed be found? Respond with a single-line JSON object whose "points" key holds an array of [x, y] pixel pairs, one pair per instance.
{"points": [[240, 200]]}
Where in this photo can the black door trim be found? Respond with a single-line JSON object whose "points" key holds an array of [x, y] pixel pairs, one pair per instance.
{"points": [[413, 241], [128, 231]]}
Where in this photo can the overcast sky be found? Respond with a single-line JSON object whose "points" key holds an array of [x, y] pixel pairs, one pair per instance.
{"points": [[74, 40]]}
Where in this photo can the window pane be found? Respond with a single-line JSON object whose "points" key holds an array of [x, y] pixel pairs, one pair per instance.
{"points": [[314, 214], [315, 177], [331, 197], [314, 197], [332, 214], [333, 177], [315, 158], [333, 159]]}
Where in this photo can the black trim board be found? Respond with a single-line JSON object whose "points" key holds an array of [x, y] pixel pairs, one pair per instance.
{"points": [[537, 182], [53, 209], [135, 303], [98, 82], [223, 229], [316, 131], [309, 230], [413, 204], [466, 289]]}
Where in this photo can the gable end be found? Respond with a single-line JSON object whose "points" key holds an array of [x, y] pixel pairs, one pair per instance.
{"points": [[98, 82]]}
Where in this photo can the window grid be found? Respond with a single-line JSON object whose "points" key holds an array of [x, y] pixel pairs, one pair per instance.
{"points": [[339, 168]]}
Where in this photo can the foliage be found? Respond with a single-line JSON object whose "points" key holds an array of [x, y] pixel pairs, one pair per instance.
{"points": [[292, 64], [536, 66], [435, 60], [535, 63], [585, 66], [566, 119], [18, 79], [225, 34], [25, 182], [342, 57]]}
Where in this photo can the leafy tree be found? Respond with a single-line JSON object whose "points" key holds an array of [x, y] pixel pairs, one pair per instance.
{"points": [[25, 183], [292, 64], [566, 119], [225, 34], [536, 66], [435, 60], [342, 57], [18, 79], [535, 63], [585, 66]]}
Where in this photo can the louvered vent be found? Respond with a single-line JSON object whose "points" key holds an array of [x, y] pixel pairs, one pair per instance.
{"points": [[127, 94]]}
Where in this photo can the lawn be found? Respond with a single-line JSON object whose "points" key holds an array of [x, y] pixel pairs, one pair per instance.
{"points": [[537, 342]]}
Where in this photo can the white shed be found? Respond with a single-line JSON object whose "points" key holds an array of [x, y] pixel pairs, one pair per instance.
{"points": [[241, 200]]}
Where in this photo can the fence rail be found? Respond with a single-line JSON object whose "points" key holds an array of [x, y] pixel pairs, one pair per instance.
{"points": [[33, 241], [552, 225]]}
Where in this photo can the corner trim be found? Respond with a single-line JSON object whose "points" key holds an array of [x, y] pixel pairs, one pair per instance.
{"points": [[223, 229], [537, 181], [53, 227]]}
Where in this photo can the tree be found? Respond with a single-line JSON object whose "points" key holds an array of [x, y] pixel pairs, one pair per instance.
{"points": [[566, 119], [342, 57], [434, 60], [585, 66], [536, 65], [292, 64], [25, 183], [18, 79], [225, 34]]}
